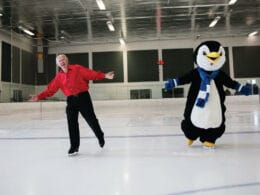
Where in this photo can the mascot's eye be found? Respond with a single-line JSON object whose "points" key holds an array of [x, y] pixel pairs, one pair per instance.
{"points": [[220, 54], [204, 53]]}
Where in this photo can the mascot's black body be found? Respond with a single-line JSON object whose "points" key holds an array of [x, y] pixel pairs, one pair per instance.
{"points": [[204, 115]]}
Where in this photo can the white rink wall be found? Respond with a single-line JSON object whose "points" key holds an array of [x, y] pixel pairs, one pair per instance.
{"points": [[104, 107]]}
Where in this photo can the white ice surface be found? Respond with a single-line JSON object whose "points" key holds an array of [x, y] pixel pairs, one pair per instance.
{"points": [[145, 151]]}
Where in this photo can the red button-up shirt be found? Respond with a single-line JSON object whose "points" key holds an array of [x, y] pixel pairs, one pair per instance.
{"points": [[71, 83]]}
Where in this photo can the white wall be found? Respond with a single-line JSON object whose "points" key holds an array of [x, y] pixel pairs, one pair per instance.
{"points": [[44, 108]]}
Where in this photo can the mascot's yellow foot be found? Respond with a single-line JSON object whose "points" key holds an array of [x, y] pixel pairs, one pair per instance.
{"points": [[190, 142], [208, 144]]}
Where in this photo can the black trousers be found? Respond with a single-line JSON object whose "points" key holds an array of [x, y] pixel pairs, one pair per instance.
{"points": [[82, 104]]}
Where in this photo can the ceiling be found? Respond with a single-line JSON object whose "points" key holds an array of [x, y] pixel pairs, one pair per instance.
{"points": [[81, 21]]}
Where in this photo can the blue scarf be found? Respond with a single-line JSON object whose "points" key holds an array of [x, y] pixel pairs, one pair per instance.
{"points": [[205, 86]]}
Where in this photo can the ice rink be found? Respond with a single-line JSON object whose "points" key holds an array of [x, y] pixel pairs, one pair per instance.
{"points": [[146, 152]]}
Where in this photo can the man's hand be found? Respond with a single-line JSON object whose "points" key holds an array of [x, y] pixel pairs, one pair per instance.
{"points": [[33, 98], [110, 75]]}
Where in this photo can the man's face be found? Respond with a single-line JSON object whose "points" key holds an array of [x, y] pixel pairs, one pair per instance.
{"points": [[62, 61]]}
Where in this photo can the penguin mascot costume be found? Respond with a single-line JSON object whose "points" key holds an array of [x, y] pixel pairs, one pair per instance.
{"points": [[204, 115]]}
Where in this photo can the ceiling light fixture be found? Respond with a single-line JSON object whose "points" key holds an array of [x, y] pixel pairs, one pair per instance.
{"points": [[232, 2], [27, 31], [122, 41], [214, 22], [253, 33], [110, 26], [101, 5], [65, 34]]}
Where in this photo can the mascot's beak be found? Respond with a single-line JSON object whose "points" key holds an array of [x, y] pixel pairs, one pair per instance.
{"points": [[213, 56]]}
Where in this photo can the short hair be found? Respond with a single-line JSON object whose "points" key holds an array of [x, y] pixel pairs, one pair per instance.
{"points": [[63, 56]]}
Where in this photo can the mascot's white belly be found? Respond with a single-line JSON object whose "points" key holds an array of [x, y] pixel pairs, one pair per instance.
{"points": [[211, 115]]}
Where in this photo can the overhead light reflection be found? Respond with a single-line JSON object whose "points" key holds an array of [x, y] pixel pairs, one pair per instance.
{"points": [[256, 119]]}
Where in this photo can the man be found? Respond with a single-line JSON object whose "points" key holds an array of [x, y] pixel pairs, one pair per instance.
{"points": [[73, 81]]}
